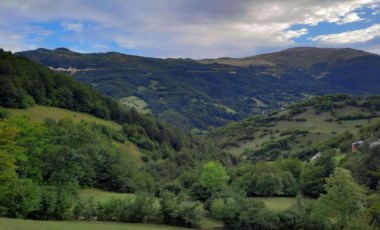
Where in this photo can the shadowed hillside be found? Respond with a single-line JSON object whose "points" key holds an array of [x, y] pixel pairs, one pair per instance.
{"points": [[212, 93]]}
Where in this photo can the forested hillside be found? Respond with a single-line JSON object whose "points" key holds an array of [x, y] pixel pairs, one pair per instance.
{"points": [[211, 93]]}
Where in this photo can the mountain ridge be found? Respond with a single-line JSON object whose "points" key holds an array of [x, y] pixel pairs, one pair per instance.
{"points": [[195, 94], [322, 54]]}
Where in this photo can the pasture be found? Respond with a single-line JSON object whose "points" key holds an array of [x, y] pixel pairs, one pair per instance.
{"points": [[40, 113], [247, 134], [277, 203], [18, 224]]}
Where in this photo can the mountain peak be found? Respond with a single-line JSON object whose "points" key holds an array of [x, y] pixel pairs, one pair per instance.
{"points": [[300, 49], [63, 49]]}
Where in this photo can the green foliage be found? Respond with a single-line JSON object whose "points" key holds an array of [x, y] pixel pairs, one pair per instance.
{"points": [[343, 201], [19, 198], [292, 165], [365, 166], [141, 209], [176, 211], [242, 213], [264, 179], [299, 217], [214, 177]]}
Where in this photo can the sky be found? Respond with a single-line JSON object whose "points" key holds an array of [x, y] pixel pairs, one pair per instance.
{"points": [[189, 28]]}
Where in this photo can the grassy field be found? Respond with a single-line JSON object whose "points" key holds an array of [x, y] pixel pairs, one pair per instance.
{"points": [[139, 104], [40, 113], [101, 196], [277, 203], [16, 224], [323, 126], [209, 223]]}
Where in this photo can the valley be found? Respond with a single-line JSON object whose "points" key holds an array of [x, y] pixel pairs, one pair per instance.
{"points": [[190, 114], [210, 93], [84, 160]]}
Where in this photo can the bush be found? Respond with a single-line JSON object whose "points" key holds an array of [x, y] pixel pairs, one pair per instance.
{"points": [[141, 209], [19, 198], [299, 217], [243, 213], [175, 211]]}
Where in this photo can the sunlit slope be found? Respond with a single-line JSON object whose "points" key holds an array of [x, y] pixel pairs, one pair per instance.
{"points": [[41, 113], [302, 125]]}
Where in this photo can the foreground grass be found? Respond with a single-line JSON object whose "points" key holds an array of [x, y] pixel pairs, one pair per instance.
{"points": [[277, 203], [17, 224], [40, 113]]}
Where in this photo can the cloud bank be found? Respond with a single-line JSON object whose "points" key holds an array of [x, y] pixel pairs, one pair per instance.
{"points": [[182, 28]]}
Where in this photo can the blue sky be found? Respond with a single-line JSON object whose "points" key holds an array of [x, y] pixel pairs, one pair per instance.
{"points": [[189, 28]]}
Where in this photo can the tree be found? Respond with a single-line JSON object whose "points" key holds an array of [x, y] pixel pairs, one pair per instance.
{"points": [[214, 177], [343, 201]]}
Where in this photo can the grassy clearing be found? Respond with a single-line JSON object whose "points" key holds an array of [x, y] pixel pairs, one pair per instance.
{"points": [[17, 224], [102, 196], [131, 149], [225, 108], [41, 113], [209, 223], [277, 203], [139, 104]]}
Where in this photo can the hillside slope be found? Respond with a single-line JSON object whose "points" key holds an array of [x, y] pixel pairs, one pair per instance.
{"points": [[298, 129], [27, 85], [212, 93], [304, 57]]}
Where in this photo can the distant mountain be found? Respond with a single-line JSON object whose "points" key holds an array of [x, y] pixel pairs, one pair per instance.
{"points": [[213, 92], [304, 57]]}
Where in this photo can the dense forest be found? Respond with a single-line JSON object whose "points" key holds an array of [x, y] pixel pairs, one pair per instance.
{"points": [[44, 165]]}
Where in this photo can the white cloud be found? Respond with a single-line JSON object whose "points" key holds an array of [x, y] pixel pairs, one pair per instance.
{"points": [[74, 26], [184, 28], [124, 42], [354, 36], [11, 41], [349, 18], [291, 34]]}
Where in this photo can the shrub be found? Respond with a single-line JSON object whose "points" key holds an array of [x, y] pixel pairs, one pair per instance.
{"points": [[175, 211]]}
